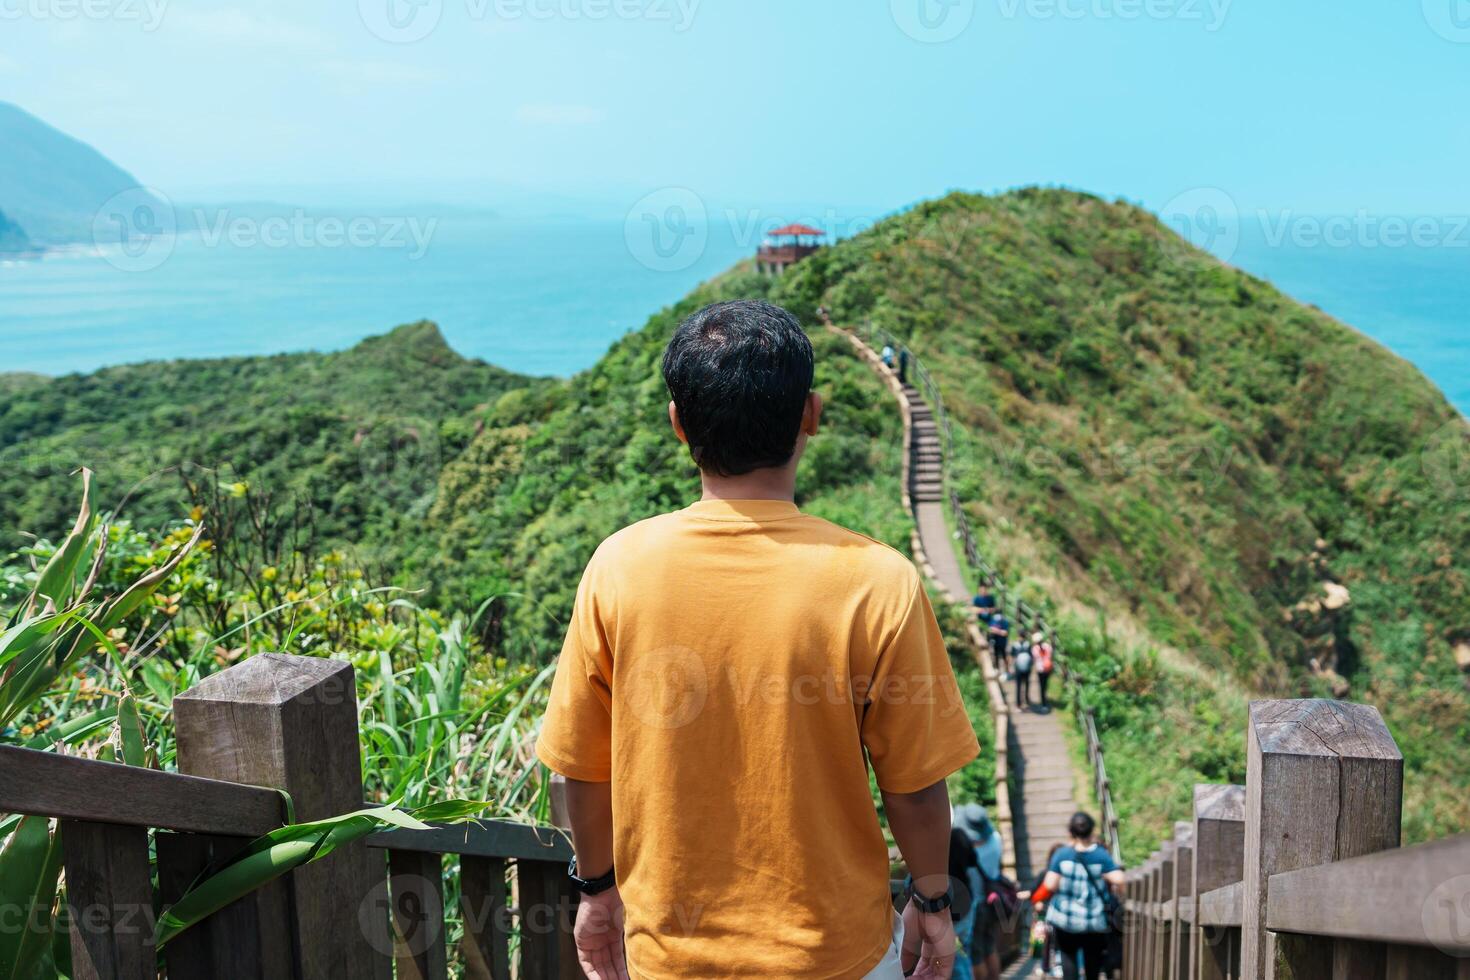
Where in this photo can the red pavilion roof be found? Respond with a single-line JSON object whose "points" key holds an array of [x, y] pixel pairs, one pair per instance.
{"points": [[792, 231]]}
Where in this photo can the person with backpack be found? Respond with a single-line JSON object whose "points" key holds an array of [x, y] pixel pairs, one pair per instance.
{"points": [[996, 896], [1021, 665], [1000, 639], [887, 356], [1042, 656], [1084, 880]]}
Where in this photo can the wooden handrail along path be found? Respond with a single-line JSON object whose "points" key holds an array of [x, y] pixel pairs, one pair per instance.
{"points": [[1297, 875], [268, 724]]}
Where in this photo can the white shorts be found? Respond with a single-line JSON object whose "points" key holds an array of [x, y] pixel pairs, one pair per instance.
{"points": [[890, 967]]}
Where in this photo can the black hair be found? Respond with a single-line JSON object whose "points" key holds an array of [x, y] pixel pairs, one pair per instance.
{"points": [[739, 374], [1081, 826]]}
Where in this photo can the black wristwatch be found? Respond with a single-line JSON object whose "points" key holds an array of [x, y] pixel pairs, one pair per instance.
{"points": [[930, 905], [590, 886]]}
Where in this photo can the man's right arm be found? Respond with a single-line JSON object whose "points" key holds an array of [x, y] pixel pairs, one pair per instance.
{"points": [[920, 825]]}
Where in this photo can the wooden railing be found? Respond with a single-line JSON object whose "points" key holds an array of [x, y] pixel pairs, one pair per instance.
{"points": [[1023, 615], [277, 723], [1299, 873]]}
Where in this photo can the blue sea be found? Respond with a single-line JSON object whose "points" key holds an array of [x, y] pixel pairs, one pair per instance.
{"points": [[548, 296]]}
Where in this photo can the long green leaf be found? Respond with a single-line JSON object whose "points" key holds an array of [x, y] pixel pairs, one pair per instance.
{"points": [[30, 864], [59, 578], [271, 856]]}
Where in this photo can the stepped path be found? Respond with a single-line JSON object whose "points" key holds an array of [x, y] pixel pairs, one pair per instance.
{"points": [[1041, 767], [1044, 784]]}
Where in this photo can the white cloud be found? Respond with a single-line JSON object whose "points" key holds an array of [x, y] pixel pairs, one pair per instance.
{"points": [[549, 114]]}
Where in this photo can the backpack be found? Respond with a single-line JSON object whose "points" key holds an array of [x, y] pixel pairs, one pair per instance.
{"points": [[1001, 897], [1023, 662], [1043, 657]]}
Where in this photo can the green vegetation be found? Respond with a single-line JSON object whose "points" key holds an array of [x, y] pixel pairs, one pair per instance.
{"points": [[1259, 499], [1213, 491]]}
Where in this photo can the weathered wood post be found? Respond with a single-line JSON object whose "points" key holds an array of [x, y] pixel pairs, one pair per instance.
{"points": [[291, 723], [1151, 921], [1130, 927], [1165, 899], [109, 897], [1324, 782], [1178, 963], [1219, 857]]}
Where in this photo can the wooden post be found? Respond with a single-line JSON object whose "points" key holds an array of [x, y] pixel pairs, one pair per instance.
{"points": [[1150, 921], [1324, 782], [246, 940], [486, 948], [1166, 896], [109, 897], [1130, 925], [547, 906], [291, 723], [1179, 929], [416, 885], [1219, 857]]}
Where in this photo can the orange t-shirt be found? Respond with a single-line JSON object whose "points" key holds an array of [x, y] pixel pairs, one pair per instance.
{"points": [[730, 667]]}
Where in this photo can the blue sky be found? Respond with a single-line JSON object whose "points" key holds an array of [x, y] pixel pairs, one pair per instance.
{"points": [[1316, 107]]}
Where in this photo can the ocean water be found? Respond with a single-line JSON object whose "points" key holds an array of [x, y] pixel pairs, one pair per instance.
{"points": [[542, 297], [549, 296]]}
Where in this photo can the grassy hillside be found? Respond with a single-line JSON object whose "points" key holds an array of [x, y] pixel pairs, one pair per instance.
{"points": [[1256, 497], [359, 435]]}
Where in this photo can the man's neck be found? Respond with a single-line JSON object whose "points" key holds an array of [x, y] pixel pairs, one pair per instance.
{"points": [[775, 483]]}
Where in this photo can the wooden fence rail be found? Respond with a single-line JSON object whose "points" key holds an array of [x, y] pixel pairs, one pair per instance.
{"points": [[277, 723], [1299, 874]]}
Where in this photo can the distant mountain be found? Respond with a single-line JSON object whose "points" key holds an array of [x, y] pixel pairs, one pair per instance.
{"points": [[13, 237], [55, 186]]}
